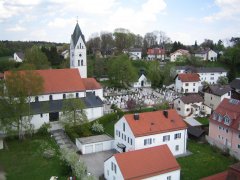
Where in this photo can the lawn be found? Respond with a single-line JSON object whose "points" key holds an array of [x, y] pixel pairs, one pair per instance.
{"points": [[5, 58], [204, 161], [24, 159], [203, 120]]}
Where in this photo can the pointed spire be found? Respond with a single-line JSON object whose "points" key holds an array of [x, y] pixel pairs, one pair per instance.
{"points": [[77, 33]]}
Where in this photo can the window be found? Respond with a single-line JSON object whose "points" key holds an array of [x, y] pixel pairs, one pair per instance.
{"points": [[229, 93], [166, 138], [147, 141], [226, 130], [124, 127], [125, 137], [178, 102], [219, 127], [50, 97], [80, 45], [77, 95], [177, 136], [81, 62], [169, 178], [80, 55], [36, 99], [220, 117], [212, 78], [187, 109], [64, 96], [186, 84], [179, 109], [114, 167], [128, 139], [238, 146], [226, 120], [131, 142], [193, 89], [78, 62], [122, 135], [186, 90], [177, 148], [193, 84], [214, 116], [116, 132]]}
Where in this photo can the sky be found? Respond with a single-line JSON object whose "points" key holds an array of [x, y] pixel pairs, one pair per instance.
{"points": [[181, 20]]}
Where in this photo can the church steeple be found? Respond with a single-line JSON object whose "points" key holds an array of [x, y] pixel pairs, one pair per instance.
{"points": [[78, 56]]}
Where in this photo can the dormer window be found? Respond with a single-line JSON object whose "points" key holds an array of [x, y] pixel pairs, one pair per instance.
{"points": [[220, 117], [227, 120], [215, 116]]}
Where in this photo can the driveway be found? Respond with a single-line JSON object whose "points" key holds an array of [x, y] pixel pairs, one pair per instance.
{"points": [[95, 161]]}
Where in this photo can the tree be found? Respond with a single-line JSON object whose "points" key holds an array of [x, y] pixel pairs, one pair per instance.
{"points": [[36, 57], [19, 87], [123, 38], [155, 74], [73, 113], [131, 104], [53, 57], [222, 80], [97, 127], [107, 42], [121, 71], [208, 43]]}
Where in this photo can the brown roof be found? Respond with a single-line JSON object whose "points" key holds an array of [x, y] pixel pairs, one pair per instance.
{"points": [[147, 162], [189, 77], [219, 176], [182, 51], [60, 80], [192, 98], [155, 122], [231, 108], [218, 89], [91, 83]]}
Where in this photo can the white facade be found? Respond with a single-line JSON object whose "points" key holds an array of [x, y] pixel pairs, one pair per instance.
{"points": [[17, 58], [134, 55], [186, 87], [142, 82], [213, 101], [110, 174], [153, 57], [94, 113], [208, 55], [211, 77], [78, 56], [65, 54], [176, 54], [126, 137], [97, 92]]}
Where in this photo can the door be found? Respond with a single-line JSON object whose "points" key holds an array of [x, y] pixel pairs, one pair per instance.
{"points": [[88, 149], [99, 147], [142, 83], [54, 116]]}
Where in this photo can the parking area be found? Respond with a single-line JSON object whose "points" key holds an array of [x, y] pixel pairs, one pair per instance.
{"points": [[95, 161]]}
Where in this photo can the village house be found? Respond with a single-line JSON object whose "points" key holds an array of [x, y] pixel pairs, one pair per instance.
{"points": [[156, 53], [65, 54], [191, 104], [235, 85], [214, 94], [150, 129], [150, 163], [207, 55], [134, 53], [179, 53], [18, 56], [206, 74], [224, 126], [187, 83]]}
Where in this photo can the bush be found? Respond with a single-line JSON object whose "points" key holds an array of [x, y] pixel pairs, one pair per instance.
{"points": [[97, 127], [43, 130]]}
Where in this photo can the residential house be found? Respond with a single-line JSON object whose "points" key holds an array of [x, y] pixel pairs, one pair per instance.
{"points": [[135, 53], [214, 94], [179, 53], [206, 74], [191, 104], [224, 126], [187, 83], [150, 163], [156, 53], [142, 81], [149, 129], [18, 56], [207, 55], [235, 85], [65, 54]]}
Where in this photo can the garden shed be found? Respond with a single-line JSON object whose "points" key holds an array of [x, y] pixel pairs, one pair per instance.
{"points": [[93, 144]]}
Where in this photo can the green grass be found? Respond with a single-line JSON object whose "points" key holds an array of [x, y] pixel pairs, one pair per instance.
{"points": [[204, 161], [24, 160], [6, 58], [203, 120]]}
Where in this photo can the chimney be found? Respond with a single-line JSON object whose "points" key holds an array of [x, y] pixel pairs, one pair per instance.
{"points": [[136, 116], [165, 113]]}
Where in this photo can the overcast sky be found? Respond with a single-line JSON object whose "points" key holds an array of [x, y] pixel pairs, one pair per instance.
{"points": [[181, 20]]}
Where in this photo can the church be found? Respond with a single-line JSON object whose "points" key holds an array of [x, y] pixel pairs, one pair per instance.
{"points": [[60, 83]]}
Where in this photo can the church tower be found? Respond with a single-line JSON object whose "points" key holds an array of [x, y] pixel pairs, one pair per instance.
{"points": [[78, 52]]}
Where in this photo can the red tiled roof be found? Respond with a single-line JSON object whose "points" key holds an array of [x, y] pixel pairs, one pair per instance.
{"points": [[156, 51], [155, 123], [91, 83], [60, 80], [189, 77], [147, 162], [219, 176], [183, 51], [229, 109]]}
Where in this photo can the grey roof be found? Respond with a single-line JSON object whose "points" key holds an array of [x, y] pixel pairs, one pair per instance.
{"points": [[194, 131], [201, 69], [218, 89], [191, 98], [235, 83], [20, 55], [94, 139], [76, 34], [90, 101], [135, 50]]}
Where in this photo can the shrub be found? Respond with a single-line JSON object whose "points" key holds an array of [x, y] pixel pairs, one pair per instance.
{"points": [[43, 130], [97, 127]]}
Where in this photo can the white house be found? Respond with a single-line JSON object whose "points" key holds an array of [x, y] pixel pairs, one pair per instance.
{"points": [[155, 163], [135, 53], [78, 52], [149, 129], [206, 74], [18, 56], [213, 95], [65, 54], [156, 53], [207, 55], [187, 83], [178, 53], [142, 82], [191, 104]]}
